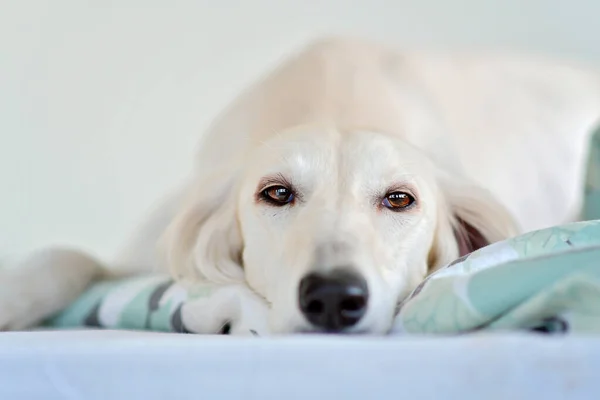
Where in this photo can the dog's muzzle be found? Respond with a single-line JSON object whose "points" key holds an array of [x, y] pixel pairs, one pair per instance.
{"points": [[333, 301]]}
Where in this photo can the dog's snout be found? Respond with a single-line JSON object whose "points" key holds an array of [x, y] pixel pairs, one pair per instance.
{"points": [[333, 301]]}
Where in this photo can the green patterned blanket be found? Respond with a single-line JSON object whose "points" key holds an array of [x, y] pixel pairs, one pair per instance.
{"points": [[547, 280]]}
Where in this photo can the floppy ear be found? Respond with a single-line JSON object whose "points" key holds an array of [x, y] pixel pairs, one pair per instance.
{"points": [[468, 218], [203, 241]]}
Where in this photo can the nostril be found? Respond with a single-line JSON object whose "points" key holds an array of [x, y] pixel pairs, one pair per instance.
{"points": [[314, 307], [353, 304]]}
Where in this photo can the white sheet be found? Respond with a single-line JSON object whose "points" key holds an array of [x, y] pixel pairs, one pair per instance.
{"points": [[129, 365]]}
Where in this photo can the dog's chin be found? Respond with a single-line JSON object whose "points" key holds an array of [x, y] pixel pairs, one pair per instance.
{"points": [[291, 322], [349, 332], [359, 330]]}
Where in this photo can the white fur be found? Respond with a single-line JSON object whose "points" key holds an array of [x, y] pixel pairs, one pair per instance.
{"points": [[476, 139]]}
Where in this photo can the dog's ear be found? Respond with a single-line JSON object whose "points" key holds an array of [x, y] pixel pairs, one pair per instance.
{"points": [[204, 241], [468, 218], [468, 238]]}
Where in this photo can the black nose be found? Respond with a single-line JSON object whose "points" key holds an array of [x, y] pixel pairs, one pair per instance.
{"points": [[333, 301]]}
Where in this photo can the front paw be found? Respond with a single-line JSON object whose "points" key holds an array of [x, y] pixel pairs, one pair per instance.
{"points": [[232, 309]]}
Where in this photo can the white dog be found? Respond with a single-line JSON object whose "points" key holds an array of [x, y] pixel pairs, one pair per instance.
{"points": [[337, 183]]}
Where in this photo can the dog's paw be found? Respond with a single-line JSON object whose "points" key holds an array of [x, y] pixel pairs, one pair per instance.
{"points": [[232, 310]]}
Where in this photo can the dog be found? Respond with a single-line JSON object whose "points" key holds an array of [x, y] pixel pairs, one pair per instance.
{"points": [[340, 180]]}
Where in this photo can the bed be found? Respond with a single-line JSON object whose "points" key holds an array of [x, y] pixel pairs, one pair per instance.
{"points": [[90, 364]]}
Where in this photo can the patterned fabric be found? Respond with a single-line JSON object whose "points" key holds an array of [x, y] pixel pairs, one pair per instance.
{"points": [[157, 303], [547, 280]]}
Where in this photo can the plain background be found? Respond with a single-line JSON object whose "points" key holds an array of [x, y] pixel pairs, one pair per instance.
{"points": [[102, 102]]}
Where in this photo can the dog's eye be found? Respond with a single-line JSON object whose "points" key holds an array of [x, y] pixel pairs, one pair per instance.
{"points": [[397, 201], [278, 195]]}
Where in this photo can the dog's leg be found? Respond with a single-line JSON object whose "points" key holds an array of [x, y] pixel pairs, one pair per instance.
{"points": [[42, 285]]}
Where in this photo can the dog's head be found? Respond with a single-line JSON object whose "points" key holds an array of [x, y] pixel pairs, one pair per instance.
{"points": [[332, 228]]}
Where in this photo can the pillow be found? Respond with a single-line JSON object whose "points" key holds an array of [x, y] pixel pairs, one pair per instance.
{"points": [[547, 280]]}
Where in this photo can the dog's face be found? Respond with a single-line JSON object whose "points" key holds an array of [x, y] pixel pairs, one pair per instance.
{"points": [[332, 229], [336, 228]]}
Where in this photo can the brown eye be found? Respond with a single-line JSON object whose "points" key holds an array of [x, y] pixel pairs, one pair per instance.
{"points": [[278, 195], [397, 201]]}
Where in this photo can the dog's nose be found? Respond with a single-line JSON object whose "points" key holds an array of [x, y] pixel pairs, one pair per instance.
{"points": [[333, 301]]}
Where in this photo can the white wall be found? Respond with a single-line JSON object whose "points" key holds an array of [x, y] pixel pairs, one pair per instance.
{"points": [[102, 102]]}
